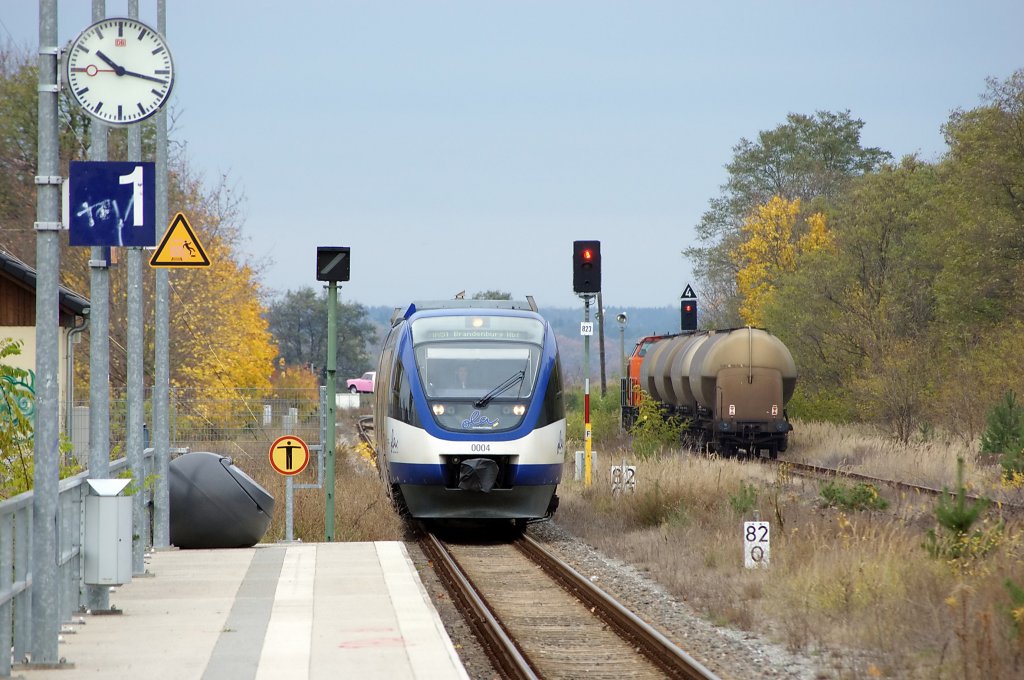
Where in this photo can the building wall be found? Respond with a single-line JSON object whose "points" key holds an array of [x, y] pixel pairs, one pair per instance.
{"points": [[27, 358]]}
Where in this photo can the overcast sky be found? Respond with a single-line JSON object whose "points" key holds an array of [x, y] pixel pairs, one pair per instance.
{"points": [[464, 144]]}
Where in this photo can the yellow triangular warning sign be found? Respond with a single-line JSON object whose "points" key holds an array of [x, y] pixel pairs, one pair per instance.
{"points": [[179, 247]]}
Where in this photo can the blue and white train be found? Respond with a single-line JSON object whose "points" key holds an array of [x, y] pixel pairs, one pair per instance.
{"points": [[469, 414]]}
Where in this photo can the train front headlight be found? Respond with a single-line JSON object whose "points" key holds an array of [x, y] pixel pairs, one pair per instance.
{"points": [[438, 410], [519, 409]]}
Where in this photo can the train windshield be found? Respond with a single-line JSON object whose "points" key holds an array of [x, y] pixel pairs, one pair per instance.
{"points": [[478, 371]]}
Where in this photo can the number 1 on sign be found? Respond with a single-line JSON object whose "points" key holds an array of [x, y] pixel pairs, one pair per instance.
{"points": [[137, 205]]}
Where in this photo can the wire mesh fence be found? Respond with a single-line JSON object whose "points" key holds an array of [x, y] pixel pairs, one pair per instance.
{"points": [[240, 423]]}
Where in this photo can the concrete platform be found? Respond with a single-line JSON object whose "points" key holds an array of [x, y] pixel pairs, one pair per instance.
{"points": [[295, 612]]}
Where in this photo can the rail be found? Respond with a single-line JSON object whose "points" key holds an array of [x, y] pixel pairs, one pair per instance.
{"points": [[672, 660], [510, 659], [810, 470], [16, 559]]}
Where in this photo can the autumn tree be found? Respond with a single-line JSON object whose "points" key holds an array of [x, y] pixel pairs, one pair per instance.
{"points": [[985, 195], [298, 319], [772, 245], [812, 158], [218, 336], [858, 316]]}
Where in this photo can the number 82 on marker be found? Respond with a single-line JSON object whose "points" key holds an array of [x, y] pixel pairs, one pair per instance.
{"points": [[756, 544]]}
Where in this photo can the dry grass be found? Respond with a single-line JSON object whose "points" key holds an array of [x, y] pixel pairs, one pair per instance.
{"points": [[858, 588], [362, 510]]}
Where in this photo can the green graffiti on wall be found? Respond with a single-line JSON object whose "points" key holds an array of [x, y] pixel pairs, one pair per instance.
{"points": [[17, 395]]}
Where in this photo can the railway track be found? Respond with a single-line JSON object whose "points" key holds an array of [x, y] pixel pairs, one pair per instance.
{"points": [[539, 618], [816, 471], [364, 429]]}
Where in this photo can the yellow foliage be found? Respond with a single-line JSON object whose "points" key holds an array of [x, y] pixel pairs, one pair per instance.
{"points": [[294, 378], [222, 339], [770, 249]]}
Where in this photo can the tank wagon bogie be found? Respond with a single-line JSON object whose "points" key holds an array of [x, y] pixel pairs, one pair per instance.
{"points": [[730, 387], [469, 415]]}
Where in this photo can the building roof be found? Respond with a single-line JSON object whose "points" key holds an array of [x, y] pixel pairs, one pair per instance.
{"points": [[20, 271]]}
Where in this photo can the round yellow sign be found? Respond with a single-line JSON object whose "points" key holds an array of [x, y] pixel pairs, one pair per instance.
{"points": [[289, 455]]}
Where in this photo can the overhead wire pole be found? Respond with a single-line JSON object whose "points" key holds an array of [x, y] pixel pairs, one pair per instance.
{"points": [[45, 610], [140, 528], [97, 598], [161, 363]]}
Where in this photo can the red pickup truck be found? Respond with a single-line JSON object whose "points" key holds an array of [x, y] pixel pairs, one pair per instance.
{"points": [[363, 384]]}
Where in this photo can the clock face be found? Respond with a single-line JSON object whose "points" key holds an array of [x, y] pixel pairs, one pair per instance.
{"points": [[120, 71]]}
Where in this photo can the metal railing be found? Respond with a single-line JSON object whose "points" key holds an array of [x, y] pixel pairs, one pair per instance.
{"points": [[237, 423], [16, 560]]}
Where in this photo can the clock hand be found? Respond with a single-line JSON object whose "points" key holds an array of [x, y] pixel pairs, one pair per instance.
{"points": [[142, 75], [119, 70]]}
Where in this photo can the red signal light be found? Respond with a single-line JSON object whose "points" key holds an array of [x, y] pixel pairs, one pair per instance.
{"points": [[586, 266]]}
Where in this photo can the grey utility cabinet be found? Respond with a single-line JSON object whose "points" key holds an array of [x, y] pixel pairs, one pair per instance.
{"points": [[107, 544]]}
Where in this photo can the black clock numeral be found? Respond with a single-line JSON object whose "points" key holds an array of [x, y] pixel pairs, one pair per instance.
{"points": [[99, 33], [163, 71], [120, 29], [96, 109], [142, 34], [141, 109], [158, 50], [82, 91], [119, 114]]}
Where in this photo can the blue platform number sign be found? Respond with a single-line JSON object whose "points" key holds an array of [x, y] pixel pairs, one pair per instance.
{"points": [[112, 203]]}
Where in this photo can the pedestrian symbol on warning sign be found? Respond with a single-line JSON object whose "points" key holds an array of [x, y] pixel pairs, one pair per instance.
{"points": [[289, 455], [179, 247]]}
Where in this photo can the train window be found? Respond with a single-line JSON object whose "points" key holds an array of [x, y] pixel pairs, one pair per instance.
{"points": [[554, 405], [401, 407], [470, 370]]}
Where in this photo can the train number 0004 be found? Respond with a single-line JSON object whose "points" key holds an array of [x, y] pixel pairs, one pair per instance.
{"points": [[480, 448]]}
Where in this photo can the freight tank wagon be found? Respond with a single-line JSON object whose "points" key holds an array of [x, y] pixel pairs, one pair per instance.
{"points": [[730, 387]]}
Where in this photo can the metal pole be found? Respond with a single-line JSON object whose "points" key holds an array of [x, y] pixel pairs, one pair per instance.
{"points": [[45, 612], [161, 363], [587, 446], [622, 349], [332, 366], [97, 598], [136, 397], [600, 340], [289, 489]]}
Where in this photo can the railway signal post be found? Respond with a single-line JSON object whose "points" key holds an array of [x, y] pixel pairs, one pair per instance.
{"points": [[332, 265], [688, 310], [586, 282]]}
